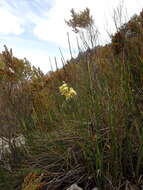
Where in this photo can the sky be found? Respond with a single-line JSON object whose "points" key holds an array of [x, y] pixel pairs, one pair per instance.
{"points": [[36, 29]]}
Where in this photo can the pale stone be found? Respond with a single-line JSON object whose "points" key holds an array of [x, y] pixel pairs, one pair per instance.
{"points": [[74, 187], [94, 188], [4, 144]]}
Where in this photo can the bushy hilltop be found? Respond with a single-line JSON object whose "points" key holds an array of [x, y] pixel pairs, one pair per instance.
{"points": [[93, 138]]}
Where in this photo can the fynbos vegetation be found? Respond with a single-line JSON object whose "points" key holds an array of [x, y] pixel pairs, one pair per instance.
{"points": [[82, 124]]}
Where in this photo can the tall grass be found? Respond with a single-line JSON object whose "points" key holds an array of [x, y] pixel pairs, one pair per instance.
{"points": [[100, 128], [96, 137]]}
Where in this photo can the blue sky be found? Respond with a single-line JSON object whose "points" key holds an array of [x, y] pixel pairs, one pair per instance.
{"points": [[36, 29]]}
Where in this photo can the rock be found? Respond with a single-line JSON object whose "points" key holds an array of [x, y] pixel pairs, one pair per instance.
{"points": [[4, 147], [19, 141], [74, 187], [94, 188], [5, 144]]}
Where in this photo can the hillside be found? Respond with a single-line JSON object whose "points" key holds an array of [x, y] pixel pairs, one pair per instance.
{"points": [[81, 124]]}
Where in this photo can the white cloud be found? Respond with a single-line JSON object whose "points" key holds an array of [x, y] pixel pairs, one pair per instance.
{"points": [[9, 24], [46, 20], [55, 30], [16, 16], [50, 24]]}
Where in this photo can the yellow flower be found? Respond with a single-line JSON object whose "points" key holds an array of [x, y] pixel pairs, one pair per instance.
{"points": [[64, 89], [72, 92], [63, 86], [67, 91], [68, 96]]}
